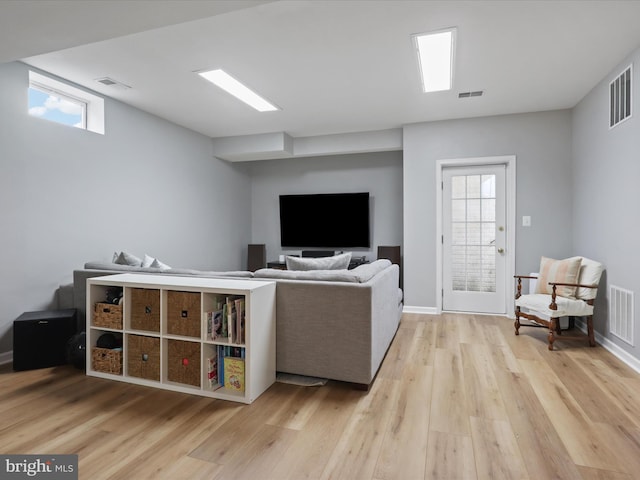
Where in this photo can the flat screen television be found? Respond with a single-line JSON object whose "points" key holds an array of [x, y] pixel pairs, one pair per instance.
{"points": [[337, 220]]}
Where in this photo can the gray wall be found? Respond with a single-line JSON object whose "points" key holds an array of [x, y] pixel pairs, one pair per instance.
{"points": [[379, 173], [541, 143], [606, 176], [68, 196]]}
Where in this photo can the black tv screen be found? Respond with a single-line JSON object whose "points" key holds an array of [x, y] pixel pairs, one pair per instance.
{"points": [[338, 220]]}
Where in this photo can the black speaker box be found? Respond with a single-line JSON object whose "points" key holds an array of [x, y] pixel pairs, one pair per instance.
{"points": [[40, 338], [389, 252], [256, 257]]}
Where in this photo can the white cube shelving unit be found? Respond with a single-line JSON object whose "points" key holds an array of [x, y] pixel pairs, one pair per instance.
{"points": [[258, 346]]}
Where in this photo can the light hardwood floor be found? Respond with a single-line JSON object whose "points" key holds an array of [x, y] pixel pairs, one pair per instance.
{"points": [[457, 397]]}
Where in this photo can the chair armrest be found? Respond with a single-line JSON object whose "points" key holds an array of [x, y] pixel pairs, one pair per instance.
{"points": [[553, 305], [572, 285], [519, 288]]}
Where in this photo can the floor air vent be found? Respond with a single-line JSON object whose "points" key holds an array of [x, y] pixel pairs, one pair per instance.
{"points": [[621, 313]]}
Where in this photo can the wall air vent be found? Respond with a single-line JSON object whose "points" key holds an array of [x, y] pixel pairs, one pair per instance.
{"points": [[110, 82], [621, 316], [477, 93], [620, 98]]}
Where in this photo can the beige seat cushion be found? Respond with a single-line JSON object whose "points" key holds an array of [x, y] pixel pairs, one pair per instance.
{"points": [[566, 306]]}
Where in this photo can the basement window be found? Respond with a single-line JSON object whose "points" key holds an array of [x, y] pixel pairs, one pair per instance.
{"points": [[65, 104], [620, 98]]}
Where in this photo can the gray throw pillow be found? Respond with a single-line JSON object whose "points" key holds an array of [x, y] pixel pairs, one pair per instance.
{"points": [[337, 262]]}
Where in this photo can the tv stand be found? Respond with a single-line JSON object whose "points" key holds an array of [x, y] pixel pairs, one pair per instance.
{"points": [[317, 253]]}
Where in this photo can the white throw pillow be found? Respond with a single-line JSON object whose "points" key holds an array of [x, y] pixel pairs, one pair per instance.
{"points": [[128, 259], [147, 261], [158, 264], [336, 262]]}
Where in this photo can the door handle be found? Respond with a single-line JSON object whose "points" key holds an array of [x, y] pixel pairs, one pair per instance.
{"points": [[501, 250]]}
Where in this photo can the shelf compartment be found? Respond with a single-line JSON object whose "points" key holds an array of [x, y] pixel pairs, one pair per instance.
{"points": [[144, 309], [107, 315], [143, 357], [183, 362], [184, 317], [106, 360]]}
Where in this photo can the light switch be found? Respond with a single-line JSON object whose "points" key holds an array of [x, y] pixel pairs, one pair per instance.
{"points": [[526, 221]]}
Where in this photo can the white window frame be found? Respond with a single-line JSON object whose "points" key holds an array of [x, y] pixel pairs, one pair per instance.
{"points": [[93, 118]]}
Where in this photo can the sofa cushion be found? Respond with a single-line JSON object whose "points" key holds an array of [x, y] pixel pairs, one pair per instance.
{"points": [[360, 274], [367, 271], [335, 262], [171, 271], [205, 273], [119, 268], [319, 275]]}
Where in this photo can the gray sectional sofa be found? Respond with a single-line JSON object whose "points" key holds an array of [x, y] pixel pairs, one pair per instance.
{"points": [[334, 324]]}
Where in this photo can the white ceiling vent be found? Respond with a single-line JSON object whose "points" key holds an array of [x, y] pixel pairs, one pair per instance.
{"points": [[110, 82], [620, 98], [477, 93]]}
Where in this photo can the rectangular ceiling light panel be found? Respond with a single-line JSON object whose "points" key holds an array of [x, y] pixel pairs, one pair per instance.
{"points": [[230, 85], [435, 57]]}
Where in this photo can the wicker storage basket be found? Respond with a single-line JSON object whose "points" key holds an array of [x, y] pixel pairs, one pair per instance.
{"points": [[106, 360], [143, 357], [107, 315], [145, 309], [184, 362], [183, 314]]}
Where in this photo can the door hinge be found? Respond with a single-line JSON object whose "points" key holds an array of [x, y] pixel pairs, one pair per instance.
{"points": [[442, 239]]}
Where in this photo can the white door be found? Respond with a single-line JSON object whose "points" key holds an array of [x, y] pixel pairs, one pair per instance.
{"points": [[474, 239]]}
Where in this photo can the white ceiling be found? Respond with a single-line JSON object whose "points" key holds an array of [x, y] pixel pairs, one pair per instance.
{"points": [[331, 66]]}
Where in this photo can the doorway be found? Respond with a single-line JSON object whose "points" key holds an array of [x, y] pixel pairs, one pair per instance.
{"points": [[476, 236]]}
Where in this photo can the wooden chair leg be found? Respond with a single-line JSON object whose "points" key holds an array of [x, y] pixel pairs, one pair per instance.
{"points": [[516, 324], [552, 328], [592, 340]]}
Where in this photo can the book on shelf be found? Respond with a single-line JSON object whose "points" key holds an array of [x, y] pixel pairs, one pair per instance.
{"points": [[234, 374], [224, 331], [224, 352], [217, 325], [209, 325], [240, 314], [231, 318], [212, 371]]}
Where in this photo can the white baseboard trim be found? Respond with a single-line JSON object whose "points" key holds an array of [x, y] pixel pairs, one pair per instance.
{"points": [[612, 348], [424, 310], [6, 357]]}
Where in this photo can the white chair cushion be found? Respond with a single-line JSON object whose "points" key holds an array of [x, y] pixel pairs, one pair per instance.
{"points": [[567, 307], [590, 273]]}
